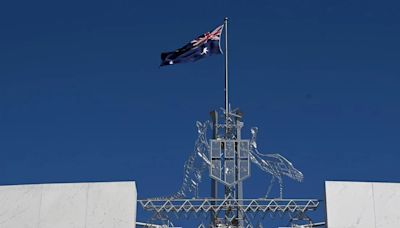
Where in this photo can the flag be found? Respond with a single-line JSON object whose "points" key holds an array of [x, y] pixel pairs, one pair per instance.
{"points": [[203, 46]]}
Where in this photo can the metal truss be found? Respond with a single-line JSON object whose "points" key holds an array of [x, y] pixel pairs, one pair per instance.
{"points": [[222, 205]]}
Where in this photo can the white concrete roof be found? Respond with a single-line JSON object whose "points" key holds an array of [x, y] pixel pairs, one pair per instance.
{"points": [[72, 205], [362, 204]]}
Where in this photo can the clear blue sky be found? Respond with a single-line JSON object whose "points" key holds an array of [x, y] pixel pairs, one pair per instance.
{"points": [[82, 97]]}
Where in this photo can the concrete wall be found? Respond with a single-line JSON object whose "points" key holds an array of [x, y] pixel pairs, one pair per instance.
{"points": [[78, 205], [362, 205]]}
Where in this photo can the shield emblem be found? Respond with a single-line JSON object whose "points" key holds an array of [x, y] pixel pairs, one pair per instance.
{"points": [[230, 161]]}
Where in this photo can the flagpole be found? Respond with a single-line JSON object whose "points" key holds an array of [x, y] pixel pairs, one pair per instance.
{"points": [[226, 71]]}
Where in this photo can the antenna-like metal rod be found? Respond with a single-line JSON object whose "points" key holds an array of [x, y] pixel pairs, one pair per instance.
{"points": [[226, 71]]}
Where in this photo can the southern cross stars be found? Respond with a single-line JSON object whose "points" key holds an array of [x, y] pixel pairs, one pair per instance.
{"points": [[204, 51]]}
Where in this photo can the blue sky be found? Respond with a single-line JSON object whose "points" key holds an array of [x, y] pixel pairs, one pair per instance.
{"points": [[82, 97]]}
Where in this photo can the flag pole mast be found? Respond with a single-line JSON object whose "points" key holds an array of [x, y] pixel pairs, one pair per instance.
{"points": [[226, 71]]}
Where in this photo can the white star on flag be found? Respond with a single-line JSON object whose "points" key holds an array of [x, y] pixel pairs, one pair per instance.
{"points": [[205, 51]]}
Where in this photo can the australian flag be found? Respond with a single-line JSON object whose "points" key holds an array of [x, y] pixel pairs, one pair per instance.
{"points": [[203, 46]]}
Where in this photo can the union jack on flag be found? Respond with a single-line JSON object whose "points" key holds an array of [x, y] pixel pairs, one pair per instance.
{"points": [[204, 45]]}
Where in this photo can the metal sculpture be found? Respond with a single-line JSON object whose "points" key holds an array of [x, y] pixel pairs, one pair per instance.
{"points": [[227, 157], [198, 162]]}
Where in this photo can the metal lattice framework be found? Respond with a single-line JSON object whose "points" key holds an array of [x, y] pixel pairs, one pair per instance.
{"points": [[221, 205], [253, 209]]}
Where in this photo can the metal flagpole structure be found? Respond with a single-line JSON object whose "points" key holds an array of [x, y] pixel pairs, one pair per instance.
{"points": [[228, 192], [226, 70], [235, 192], [214, 117], [228, 158]]}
